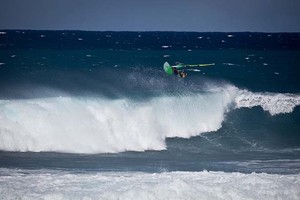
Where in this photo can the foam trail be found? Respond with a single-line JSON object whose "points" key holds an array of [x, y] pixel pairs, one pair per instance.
{"points": [[98, 125], [15, 184]]}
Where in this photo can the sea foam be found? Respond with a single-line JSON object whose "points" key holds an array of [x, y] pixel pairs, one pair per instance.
{"points": [[15, 184], [100, 125]]}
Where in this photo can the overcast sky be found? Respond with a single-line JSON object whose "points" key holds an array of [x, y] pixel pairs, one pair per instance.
{"points": [[152, 15]]}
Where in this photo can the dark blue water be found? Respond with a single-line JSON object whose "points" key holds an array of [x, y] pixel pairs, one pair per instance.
{"points": [[100, 101]]}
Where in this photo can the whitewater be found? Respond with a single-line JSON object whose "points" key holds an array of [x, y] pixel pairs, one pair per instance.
{"points": [[41, 184], [101, 125]]}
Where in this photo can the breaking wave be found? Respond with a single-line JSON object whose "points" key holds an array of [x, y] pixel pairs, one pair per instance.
{"points": [[102, 125]]}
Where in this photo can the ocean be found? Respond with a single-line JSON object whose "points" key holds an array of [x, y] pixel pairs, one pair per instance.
{"points": [[93, 115]]}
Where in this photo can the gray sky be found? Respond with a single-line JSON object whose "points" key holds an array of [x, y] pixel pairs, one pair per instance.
{"points": [[152, 15]]}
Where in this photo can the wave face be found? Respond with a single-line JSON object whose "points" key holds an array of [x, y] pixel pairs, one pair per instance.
{"points": [[102, 125], [15, 184]]}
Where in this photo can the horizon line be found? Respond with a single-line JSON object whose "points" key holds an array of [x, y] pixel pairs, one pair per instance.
{"points": [[148, 31]]}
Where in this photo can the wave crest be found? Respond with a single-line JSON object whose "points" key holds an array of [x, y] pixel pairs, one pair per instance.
{"points": [[274, 103]]}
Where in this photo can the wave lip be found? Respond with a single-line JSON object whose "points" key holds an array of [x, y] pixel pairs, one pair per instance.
{"points": [[274, 103]]}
